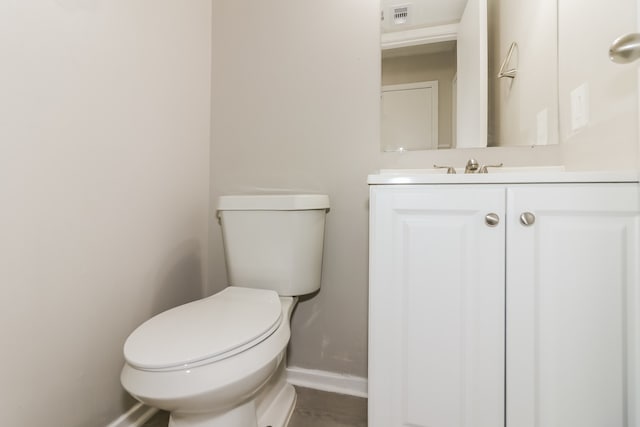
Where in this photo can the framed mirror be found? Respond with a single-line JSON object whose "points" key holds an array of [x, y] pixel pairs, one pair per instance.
{"points": [[460, 47]]}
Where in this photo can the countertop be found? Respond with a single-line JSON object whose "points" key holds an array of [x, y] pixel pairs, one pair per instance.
{"points": [[533, 175]]}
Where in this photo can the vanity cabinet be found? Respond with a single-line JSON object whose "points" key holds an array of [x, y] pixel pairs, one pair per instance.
{"points": [[504, 304]]}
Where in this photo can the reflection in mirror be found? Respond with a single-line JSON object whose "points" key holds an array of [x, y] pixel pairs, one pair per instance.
{"points": [[524, 110], [440, 65], [417, 97]]}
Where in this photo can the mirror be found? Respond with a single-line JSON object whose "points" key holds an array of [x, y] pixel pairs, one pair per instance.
{"points": [[440, 66]]}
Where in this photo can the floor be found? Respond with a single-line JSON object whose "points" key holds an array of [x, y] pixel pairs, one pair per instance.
{"points": [[313, 409], [160, 419], [321, 409]]}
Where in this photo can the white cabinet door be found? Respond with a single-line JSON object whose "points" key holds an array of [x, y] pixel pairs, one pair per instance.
{"points": [[436, 314], [573, 306]]}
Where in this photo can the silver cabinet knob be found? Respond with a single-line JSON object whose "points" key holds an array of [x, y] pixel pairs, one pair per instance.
{"points": [[492, 219], [527, 219]]}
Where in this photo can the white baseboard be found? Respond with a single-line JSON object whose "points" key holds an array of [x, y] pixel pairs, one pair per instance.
{"points": [[134, 417], [327, 381]]}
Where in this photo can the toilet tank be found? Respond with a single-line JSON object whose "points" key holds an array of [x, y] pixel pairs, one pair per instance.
{"points": [[274, 241]]}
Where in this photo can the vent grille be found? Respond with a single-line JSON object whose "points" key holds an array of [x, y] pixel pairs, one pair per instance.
{"points": [[400, 15]]}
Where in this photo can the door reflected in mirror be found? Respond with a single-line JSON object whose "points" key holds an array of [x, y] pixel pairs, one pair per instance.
{"points": [[440, 64], [417, 88]]}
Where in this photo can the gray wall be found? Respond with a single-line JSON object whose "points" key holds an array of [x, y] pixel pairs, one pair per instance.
{"points": [[295, 107], [292, 111]]}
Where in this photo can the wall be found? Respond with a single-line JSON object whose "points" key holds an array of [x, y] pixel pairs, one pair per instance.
{"points": [[440, 67], [294, 96], [609, 141], [515, 104], [296, 108], [104, 142]]}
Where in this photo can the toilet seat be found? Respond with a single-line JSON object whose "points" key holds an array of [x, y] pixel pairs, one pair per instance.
{"points": [[205, 331]]}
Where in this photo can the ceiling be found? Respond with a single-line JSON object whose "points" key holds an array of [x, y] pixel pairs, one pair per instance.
{"points": [[422, 13]]}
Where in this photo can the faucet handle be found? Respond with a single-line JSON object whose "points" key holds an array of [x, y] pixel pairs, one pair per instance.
{"points": [[450, 169], [483, 168]]}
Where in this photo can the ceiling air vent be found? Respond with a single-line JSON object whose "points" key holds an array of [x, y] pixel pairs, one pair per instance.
{"points": [[400, 15]]}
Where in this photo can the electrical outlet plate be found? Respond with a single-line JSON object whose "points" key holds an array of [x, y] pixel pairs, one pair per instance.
{"points": [[580, 107], [542, 125]]}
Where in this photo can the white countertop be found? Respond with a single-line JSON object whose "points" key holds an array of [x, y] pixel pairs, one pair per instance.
{"points": [[499, 176]]}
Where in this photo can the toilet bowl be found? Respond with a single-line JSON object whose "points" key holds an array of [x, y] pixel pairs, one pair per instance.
{"points": [[220, 361], [197, 390]]}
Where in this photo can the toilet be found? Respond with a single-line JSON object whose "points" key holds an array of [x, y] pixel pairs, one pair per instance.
{"points": [[220, 361]]}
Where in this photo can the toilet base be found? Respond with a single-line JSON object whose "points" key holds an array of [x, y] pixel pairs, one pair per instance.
{"points": [[272, 406], [240, 416], [279, 412]]}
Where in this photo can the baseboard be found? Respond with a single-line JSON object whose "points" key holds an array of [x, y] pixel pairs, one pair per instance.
{"points": [[134, 417], [327, 381]]}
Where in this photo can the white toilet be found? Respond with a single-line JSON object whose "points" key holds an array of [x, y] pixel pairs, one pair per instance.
{"points": [[219, 361]]}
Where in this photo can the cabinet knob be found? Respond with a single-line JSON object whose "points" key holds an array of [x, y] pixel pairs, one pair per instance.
{"points": [[492, 219], [527, 219]]}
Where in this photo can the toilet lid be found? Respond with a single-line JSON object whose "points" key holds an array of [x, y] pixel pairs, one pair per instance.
{"points": [[209, 329]]}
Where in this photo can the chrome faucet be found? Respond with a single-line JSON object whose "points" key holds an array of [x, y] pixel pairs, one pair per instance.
{"points": [[472, 166]]}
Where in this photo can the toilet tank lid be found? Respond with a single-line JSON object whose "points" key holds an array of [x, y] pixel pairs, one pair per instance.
{"points": [[273, 202]]}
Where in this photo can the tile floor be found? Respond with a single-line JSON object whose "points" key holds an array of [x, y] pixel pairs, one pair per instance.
{"points": [[313, 409]]}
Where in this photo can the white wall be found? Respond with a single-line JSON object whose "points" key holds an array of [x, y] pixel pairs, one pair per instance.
{"points": [[104, 145], [610, 140]]}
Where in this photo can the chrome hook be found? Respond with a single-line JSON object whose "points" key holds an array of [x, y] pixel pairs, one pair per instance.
{"points": [[504, 73]]}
